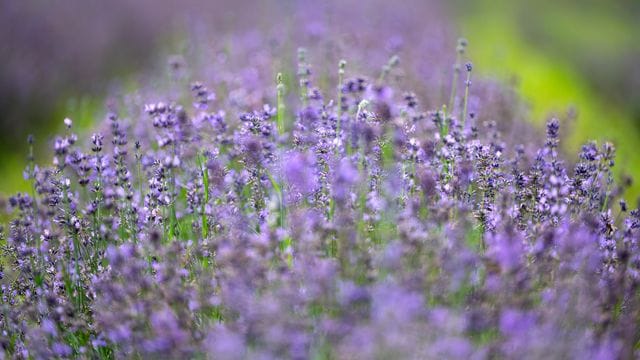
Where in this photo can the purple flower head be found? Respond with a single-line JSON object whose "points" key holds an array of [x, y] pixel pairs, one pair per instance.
{"points": [[347, 173], [506, 249], [225, 344], [515, 323], [299, 172]]}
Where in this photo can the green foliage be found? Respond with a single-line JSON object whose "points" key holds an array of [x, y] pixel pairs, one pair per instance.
{"points": [[549, 83]]}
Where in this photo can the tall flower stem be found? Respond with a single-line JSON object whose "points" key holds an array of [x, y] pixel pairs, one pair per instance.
{"points": [[460, 49], [467, 85], [280, 105], [341, 67]]}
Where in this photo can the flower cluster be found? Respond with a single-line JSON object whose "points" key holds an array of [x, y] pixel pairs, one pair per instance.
{"points": [[253, 218]]}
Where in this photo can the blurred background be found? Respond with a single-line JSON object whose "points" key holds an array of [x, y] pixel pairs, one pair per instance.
{"points": [[63, 58]]}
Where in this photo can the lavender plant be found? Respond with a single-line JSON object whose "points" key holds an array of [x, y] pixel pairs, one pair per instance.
{"points": [[254, 218]]}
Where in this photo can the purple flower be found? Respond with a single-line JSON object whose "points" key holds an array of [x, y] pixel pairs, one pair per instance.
{"points": [[299, 172]]}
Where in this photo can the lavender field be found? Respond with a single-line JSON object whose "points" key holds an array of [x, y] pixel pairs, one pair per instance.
{"points": [[337, 184]]}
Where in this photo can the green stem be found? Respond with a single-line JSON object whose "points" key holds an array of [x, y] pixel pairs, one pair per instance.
{"points": [[140, 179], [456, 71], [341, 67], [76, 286], [205, 184], [302, 74], [174, 219], [35, 205], [463, 117], [281, 206], [280, 104], [361, 106], [454, 82], [386, 69]]}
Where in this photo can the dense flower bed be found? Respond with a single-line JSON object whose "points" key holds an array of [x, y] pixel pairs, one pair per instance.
{"points": [[319, 216]]}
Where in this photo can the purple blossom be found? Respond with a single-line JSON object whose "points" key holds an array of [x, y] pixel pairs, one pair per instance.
{"points": [[338, 212]]}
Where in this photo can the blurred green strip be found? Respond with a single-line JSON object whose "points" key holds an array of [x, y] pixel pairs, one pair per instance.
{"points": [[83, 111], [550, 86]]}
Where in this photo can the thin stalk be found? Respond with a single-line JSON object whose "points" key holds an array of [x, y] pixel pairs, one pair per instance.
{"points": [[362, 169], [79, 287], [79, 293], [174, 199], [303, 76], [444, 131], [281, 207], [444, 127], [362, 192], [139, 175], [386, 69], [97, 219], [34, 198], [172, 208], [280, 104], [282, 216], [361, 106], [462, 44], [605, 203], [341, 67], [205, 184], [467, 85]]}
